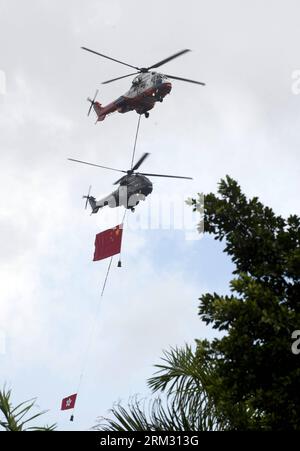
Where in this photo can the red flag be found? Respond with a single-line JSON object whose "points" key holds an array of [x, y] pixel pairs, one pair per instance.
{"points": [[69, 402], [108, 243]]}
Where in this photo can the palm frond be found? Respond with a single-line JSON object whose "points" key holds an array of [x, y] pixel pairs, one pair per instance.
{"points": [[185, 402], [12, 416], [159, 415], [182, 372]]}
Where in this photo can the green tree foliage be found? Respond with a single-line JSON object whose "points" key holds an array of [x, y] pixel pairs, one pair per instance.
{"points": [[256, 374], [17, 418], [182, 404], [248, 379]]}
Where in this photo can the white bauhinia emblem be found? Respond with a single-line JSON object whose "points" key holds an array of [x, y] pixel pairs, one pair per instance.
{"points": [[68, 402]]}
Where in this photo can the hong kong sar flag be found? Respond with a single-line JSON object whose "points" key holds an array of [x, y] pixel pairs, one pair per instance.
{"points": [[108, 243], [69, 402]]}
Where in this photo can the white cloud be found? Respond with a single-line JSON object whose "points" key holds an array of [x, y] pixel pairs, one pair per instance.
{"points": [[244, 123]]}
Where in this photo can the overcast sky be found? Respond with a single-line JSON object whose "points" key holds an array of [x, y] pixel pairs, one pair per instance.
{"points": [[244, 123]]}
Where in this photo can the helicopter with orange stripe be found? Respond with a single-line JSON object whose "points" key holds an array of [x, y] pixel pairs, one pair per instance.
{"points": [[147, 88]]}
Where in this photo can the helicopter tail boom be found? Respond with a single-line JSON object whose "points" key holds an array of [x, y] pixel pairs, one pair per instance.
{"points": [[93, 205], [99, 111]]}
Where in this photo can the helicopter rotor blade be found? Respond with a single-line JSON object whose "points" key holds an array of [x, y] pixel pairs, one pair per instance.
{"points": [[185, 79], [109, 58], [97, 165], [166, 60], [164, 175], [119, 180], [140, 161], [119, 78]]}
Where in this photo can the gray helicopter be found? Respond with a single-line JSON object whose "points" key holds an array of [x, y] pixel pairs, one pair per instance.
{"points": [[134, 187]]}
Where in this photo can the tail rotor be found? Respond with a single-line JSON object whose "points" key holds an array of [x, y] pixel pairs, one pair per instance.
{"points": [[87, 197], [92, 101]]}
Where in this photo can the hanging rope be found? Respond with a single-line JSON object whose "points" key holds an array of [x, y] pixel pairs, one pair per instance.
{"points": [[94, 325], [91, 335], [120, 255], [106, 277], [136, 135], [131, 166]]}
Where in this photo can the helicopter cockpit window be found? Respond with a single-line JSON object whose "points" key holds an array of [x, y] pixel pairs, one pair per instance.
{"points": [[157, 78], [136, 81]]}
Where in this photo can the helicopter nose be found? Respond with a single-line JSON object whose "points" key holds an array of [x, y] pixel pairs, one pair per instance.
{"points": [[149, 189], [167, 86]]}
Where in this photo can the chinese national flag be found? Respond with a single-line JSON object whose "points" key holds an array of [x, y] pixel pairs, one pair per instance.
{"points": [[108, 243], [69, 402]]}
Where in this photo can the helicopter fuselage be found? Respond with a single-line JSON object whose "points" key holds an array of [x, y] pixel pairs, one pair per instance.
{"points": [[146, 89], [133, 188]]}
